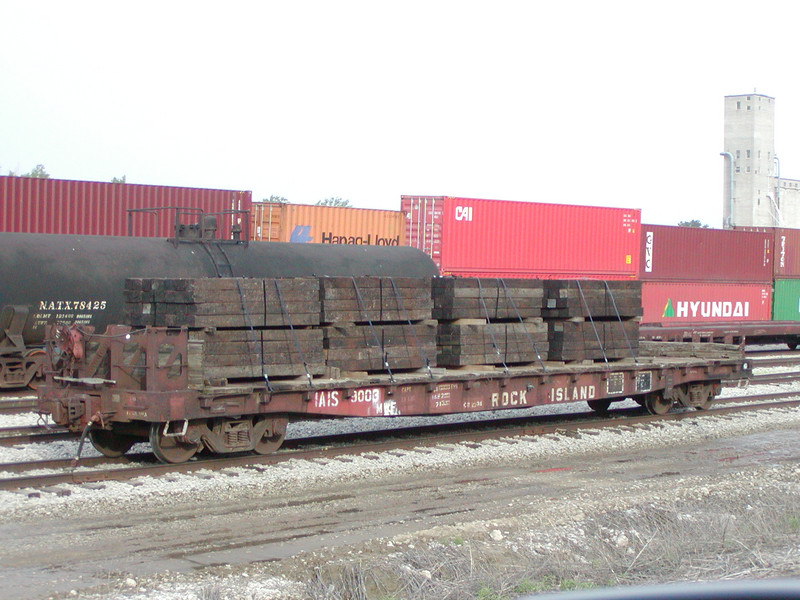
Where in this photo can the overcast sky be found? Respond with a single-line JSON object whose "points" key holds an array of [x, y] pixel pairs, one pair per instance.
{"points": [[602, 103]]}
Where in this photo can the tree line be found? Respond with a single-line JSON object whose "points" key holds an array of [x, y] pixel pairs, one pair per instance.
{"points": [[39, 172]]}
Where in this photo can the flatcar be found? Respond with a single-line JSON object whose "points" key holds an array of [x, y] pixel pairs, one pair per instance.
{"points": [[127, 385]]}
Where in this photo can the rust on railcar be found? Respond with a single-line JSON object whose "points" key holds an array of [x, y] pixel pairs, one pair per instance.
{"points": [[145, 376]]}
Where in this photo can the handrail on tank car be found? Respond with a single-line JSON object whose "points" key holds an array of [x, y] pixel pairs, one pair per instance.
{"points": [[152, 211], [236, 229]]}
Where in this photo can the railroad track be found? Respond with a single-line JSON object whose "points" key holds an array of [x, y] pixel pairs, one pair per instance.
{"points": [[17, 405], [787, 377], [27, 478], [96, 470], [13, 436]]}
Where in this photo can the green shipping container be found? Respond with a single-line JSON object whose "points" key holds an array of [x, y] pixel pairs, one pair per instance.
{"points": [[786, 300]]}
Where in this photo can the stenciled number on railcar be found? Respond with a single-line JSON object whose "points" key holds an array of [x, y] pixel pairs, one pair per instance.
{"points": [[73, 304]]}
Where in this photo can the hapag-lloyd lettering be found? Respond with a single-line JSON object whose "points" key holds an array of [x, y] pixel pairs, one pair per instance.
{"points": [[710, 309], [369, 239]]}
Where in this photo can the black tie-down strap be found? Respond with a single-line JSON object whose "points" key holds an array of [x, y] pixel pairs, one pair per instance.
{"points": [[362, 309], [288, 319], [411, 327], [489, 328], [591, 320], [519, 318], [619, 318], [252, 335]]}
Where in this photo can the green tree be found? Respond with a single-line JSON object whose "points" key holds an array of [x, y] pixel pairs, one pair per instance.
{"points": [[333, 202], [278, 199], [118, 179], [38, 172], [692, 223]]}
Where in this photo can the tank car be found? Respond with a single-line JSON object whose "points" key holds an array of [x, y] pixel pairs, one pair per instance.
{"points": [[78, 279]]}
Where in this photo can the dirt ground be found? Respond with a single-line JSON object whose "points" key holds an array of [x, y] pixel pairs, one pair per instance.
{"points": [[517, 512]]}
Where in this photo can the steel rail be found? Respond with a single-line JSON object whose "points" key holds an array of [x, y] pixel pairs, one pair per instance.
{"points": [[410, 439]]}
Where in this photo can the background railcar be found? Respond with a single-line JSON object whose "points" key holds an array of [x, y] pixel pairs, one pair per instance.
{"points": [[80, 279]]}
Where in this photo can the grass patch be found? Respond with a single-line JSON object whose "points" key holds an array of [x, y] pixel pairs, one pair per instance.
{"points": [[748, 536]]}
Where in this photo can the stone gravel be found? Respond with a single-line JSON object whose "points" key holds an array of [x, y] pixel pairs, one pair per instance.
{"points": [[150, 494]]}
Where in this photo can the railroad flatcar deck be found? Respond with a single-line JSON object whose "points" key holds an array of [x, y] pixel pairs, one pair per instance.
{"points": [[146, 391], [750, 332]]}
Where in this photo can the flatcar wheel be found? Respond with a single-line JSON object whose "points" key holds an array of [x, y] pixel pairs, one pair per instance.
{"points": [[705, 405], [35, 382], [706, 402], [599, 406], [167, 448], [109, 443], [270, 433], [656, 404]]}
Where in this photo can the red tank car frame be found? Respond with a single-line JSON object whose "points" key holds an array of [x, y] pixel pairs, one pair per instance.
{"points": [[133, 385]]}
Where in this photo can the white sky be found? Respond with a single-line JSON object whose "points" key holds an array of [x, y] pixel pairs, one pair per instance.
{"points": [[582, 102]]}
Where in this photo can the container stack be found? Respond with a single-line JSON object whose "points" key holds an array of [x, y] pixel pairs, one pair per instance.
{"points": [[63, 206], [785, 271], [469, 237], [489, 321], [371, 323], [592, 320], [696, 275]]}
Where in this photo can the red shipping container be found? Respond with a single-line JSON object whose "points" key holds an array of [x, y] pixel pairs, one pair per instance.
{"points": [[671, 303], [32, 205], [785, 250], [496, 238], [697, 254]]}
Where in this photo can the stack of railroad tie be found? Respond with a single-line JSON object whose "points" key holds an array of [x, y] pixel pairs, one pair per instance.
{"points": [[489, 321], [288, 327], [238, 328], [592, 320], [486, 321], [377, 323]]}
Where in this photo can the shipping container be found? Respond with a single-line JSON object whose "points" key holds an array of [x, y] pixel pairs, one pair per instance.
{"points": [[32, 205], [498, 238], [671, 253], [672, 302], [304, 223], [785, 250], [786, 300]]}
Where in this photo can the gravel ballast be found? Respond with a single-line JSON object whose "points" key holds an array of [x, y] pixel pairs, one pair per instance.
{"points": [[536, 524]]}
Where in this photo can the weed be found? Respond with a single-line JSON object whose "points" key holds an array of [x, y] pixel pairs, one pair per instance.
{"points": [[487, 593]]}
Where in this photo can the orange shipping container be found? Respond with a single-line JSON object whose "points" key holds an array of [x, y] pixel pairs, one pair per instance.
{"points": [[305, 223]]}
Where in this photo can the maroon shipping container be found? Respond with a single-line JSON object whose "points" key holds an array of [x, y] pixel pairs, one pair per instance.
{"points": [[696, 254], [31, 205], [496, 238], [785, 250], [671, 303]]}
